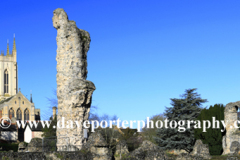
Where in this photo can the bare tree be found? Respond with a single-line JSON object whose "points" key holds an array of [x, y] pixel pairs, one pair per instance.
{"points": [[53, 101], [150, 133]]}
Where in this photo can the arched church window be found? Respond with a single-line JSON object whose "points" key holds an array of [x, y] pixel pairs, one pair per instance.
{"points": [[19, 114], [11, 113], [22, 102], [26, 115], [6, 81], [15, 102]]}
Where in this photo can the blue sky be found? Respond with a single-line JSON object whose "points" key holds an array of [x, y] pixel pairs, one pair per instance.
{"points": [[142, 53]]}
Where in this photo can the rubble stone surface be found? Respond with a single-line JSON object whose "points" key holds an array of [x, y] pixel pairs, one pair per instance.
{"points": [[232, 133], [98, 147], [74, 92], [235, 147], [201, 150], [147, 151], [35, 145], [121, 149], [22, 147]]}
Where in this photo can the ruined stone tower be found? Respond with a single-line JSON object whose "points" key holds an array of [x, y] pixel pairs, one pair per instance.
{"points": [[232, 133], [74, 92]]}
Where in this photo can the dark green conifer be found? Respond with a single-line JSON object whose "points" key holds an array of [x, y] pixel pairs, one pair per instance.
{"points": [[212, 136], [188, 107]]}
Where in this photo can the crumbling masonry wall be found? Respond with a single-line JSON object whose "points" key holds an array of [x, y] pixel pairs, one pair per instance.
{"points": [[74, 92], [232, 133]]}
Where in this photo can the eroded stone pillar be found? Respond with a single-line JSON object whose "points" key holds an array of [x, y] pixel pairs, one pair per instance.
{"points": [[74, 92], [232, 133]]}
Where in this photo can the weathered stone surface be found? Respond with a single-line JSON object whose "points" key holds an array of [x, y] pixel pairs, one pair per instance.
{"points": [[224, 145], [235, 147], [177, 151], [96, 139], [35, 145], [22, 147], [147, 145], [232, 133], [201, 150], [74, 92], [121, 149], [186, 156], [101, 153], [46, 155], [98, 147], [147, 151], [232, 158]]}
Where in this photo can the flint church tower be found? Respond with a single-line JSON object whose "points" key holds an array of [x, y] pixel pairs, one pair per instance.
{"points": [[8, 72]]}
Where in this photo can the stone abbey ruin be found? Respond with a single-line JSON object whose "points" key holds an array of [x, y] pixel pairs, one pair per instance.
{"points": [[74, 95], [74, 92], [231, 140]]}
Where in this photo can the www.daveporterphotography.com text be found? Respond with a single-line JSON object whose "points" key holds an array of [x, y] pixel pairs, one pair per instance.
{"points": [[181, 125]]}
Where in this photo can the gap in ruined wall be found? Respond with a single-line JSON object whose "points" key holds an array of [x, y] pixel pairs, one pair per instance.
{"points": [[238, 113]]}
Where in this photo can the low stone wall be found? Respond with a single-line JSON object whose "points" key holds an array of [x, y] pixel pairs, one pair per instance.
{"points": [[147, 151], [46, 156]]}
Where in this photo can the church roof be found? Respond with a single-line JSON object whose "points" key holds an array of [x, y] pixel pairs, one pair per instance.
{"points": [[6, 100], [19, 94]]}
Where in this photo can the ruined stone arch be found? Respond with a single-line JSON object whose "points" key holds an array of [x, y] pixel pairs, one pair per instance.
{"points": [[232, 107], [231, 113]]}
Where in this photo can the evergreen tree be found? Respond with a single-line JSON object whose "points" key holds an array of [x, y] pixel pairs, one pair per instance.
{"points": [[212, 136], [188, 107], [49, 136], [51, 131]]}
